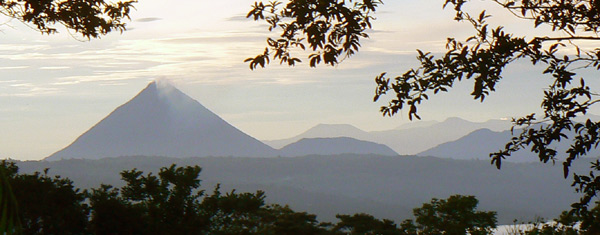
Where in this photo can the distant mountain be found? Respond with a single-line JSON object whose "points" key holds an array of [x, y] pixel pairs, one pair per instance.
{"points": [[405, 139], [323, 131], [418, 139], [335, 146], [480, 143], [477, 145], [416, 124], [163, 121]]}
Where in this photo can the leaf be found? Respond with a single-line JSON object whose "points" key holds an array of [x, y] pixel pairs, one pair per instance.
{"points": [[413, 111], [482, 16]]}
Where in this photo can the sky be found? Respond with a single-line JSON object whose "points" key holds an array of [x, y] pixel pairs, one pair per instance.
{"points": [[55, 87]]}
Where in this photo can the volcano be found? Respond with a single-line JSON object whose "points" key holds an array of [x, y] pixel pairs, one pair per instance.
{"points": [[163, 121]]}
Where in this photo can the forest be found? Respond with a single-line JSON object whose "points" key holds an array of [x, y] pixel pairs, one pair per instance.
{"points": [[170, 202]]}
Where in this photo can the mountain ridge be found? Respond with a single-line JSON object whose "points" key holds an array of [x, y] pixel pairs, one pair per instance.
{"points": [[322, 130], [480, 143], [162, 121], [403, 140], [335, 146]]}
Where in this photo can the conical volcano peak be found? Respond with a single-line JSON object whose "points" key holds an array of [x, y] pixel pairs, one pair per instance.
{"points": [[162, 84], [163, 121], [161, 87], [161, 91]]}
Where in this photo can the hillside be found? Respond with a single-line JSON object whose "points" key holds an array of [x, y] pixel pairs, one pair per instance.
{"points": [[480, 143], [323, 131], [334, 146], [385, 186]]}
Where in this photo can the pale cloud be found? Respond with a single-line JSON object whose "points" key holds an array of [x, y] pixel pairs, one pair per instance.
{"points": [[22, 85], [210, 39], [30, 90], [9, 81], [74, 80], [55, 67], [23, 56], [381, 50], [44, 90], [122, 63], [22, 47], [13, 67], [204, 56], [113, 84], [238, 18], [66, 83], [148, 19]]}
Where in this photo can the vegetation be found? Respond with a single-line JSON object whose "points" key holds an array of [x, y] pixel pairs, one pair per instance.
{"points": [[455, 215], [9, 219], [48, 205], [88, 18], [171, 202], [333, 29], [566, 224]]}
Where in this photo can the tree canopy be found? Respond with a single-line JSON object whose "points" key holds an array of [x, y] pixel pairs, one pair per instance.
{"points": [[172, 202], [169, 202], [455, 215], [333, 29], [89, 18]]}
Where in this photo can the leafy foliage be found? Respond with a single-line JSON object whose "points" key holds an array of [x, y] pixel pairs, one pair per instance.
{"points": [[167, 203], [332, 29], [482, 58], [89, 18], [487, 55], [111, 214], [47, 205], [365, 224], [9, 211], [455, 215], [246, 213], [589, 222], [164, 204], [567, 224], [171, 202]]}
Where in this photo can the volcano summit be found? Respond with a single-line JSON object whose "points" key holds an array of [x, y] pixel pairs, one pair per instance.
{"points": [[163, 121]]}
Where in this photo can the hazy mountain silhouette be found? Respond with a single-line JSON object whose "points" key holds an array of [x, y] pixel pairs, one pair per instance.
{"points": [[416, 124], [323, 131], [418, 139], [480, 143], [405, 139], [333, 146], [163, 121]]}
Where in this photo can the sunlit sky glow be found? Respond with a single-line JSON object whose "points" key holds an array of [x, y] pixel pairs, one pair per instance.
{"points": [[53, 88]]}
